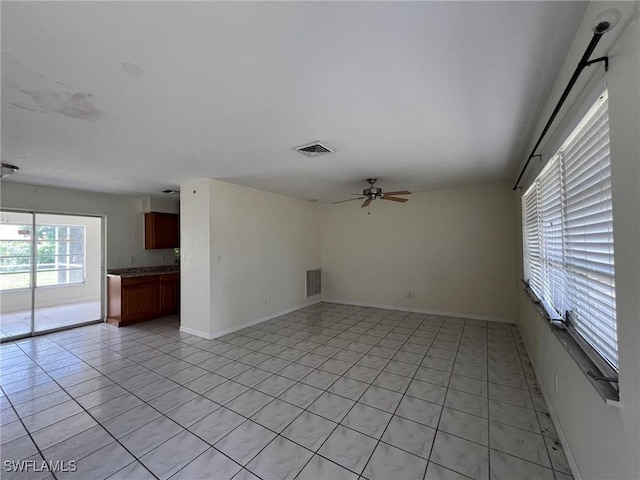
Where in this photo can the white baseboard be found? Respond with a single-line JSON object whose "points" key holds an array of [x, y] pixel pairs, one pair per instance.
{"points": [[402, 308], [197, 333], [226, 331]]}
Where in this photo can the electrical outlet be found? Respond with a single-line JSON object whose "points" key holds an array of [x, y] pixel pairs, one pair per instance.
{"points": [[133, 259], [411, 294]]}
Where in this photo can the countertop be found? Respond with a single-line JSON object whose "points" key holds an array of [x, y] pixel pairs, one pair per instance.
{"points": [[143, 271]]}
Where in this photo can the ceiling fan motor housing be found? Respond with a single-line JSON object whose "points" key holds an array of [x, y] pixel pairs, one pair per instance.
{"points": [[372, 192]]}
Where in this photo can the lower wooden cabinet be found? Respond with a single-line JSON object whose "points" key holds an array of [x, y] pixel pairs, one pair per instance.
{"points": [[139, 298], [168, 291], [134, 299]]}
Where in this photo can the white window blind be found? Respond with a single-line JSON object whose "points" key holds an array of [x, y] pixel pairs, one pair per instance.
{"points": [[550, 220], [568, 234], [589, 232], [532, 263]]}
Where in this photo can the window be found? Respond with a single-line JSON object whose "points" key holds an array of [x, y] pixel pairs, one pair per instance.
{"points": [[60, 253], [568, 235]]}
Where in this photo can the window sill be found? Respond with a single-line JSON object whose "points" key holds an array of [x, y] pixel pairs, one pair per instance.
{"points": [[61, 285], [608, 393], [43, 287]]}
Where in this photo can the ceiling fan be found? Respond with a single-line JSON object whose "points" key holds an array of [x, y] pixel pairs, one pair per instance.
{"points": [[372, 193]]}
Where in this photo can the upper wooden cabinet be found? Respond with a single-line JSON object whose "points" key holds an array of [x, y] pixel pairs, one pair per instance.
{"points": [[161, 230]]}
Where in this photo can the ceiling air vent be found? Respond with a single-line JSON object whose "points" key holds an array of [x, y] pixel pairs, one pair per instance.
{"points": [[313, 149]]}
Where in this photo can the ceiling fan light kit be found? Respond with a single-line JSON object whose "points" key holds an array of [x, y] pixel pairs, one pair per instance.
{"points": [[373, 193]]}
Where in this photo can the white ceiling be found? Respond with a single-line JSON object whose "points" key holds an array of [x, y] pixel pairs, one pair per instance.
{"points": [[142, 96]]}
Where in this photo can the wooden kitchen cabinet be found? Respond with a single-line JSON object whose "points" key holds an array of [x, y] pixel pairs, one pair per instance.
{"points": [[169, 292], [161, 230], [134, 299], [139, 298]]}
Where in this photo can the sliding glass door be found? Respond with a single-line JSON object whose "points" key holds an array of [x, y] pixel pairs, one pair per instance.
{"points": [[51, 274], [16, 293]]}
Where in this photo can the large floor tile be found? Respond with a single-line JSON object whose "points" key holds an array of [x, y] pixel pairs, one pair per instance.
{"points": [[149, 436], [245, 442], [381, 398], [216, 425], [114, 407], [133, 471], [277, 415], [507, 467], [100, 464], [309, 430], [438, 472], [410, 436], [427, 391], [281, 460], [348, 448], [455, 453], [249, 402], [169, 457], [320, 379], [389, 462], [348, 387], [514, 416], [367, 420], [79, 446], [519, 443], [330, 406], [466, 402], [419, 411], [176, 397], [211, 462], [275, 385], [464, 425], [57, 432], [320, 468], [192, 411], [301, 395]]}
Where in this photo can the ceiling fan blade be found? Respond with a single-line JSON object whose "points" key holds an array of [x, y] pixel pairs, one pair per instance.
{"points": [[366, 202], [401, 192], [395, 199], [350, 200]]}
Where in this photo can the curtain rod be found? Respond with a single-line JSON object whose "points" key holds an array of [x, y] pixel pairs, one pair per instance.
{"points": [[605, 22]]}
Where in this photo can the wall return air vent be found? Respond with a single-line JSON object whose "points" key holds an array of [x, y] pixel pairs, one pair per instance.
{"points": [[313, 149], [314, 282]]}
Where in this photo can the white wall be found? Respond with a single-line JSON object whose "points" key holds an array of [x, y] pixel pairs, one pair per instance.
{"points": [[124, 219], [604, 440], [88, 291], [453, 248], [261, 245], [168, 204], [195, 264]]}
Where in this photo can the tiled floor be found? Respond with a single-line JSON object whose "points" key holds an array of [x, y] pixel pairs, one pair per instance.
{"points": [[327, 392], [47, 318]]}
